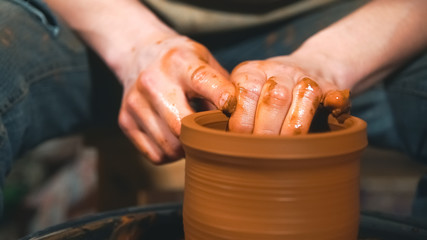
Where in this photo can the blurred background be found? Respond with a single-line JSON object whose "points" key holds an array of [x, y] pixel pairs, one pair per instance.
{"points": [[71, 177]]}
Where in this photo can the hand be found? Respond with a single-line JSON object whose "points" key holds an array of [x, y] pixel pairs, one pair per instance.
{"points": [[159, 79], [278, 96]]}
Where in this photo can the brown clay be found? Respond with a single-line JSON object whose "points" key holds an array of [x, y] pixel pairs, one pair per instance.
{"points": [[307, 95], [241, 186], [338, 102], [230, 105], [271, 85], [166, 60]]}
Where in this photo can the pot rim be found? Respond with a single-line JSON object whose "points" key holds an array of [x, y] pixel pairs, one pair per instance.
{"points": [[194, 134]]}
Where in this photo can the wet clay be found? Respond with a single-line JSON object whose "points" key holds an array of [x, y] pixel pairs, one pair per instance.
{"points": [[230, 105], [271, 87], [241, 186], [306, 99], [338, 102]]}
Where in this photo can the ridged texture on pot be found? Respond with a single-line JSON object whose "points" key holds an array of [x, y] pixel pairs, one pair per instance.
{"points": [[268, 196]]}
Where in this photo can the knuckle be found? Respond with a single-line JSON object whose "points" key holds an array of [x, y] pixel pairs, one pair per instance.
{"points": [[250, 91], [174, 56], [278, 96], [133, 101], [124, 122], [241, 71], [308, 88], [199, 47], [145, 80], [199, 75], [246, 65]]}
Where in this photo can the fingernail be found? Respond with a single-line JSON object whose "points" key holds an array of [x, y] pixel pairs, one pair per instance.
{"points": [[227, 103]]}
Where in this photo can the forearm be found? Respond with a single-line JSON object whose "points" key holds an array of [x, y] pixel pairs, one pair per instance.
{"points": [[369, 44], [111, 27]]}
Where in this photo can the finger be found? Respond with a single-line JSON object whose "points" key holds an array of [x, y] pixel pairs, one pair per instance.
{"points": [[212, 85], [149, 122], [273, 105], [306, 98], [337, 101], [141, 141], [248, 80], [169, 101]]}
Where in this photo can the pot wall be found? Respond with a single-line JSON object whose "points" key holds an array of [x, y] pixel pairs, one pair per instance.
{"points": [[240, 186]]}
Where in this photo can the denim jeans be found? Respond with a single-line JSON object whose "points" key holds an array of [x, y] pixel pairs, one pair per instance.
{"points": [[44, 80], [45, 86]]}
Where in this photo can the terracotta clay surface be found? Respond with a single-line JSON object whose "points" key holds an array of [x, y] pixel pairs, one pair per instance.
{"points": [[242, 186]]}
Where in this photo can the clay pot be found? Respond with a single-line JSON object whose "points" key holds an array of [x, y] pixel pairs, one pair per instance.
{"points": [[243, 186]]}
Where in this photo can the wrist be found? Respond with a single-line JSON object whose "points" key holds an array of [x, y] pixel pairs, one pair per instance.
{"points": [[116, 36], [324, 65]]}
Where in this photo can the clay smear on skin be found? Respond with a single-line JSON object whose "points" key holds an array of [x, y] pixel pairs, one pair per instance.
{"points": [[198, 74], [167, 61], [306, 92], [241, 92], [338, 102], [230, 105], [271, 86]]}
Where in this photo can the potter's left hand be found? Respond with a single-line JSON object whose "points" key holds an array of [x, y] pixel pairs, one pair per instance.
{"points": [[278, 96]]}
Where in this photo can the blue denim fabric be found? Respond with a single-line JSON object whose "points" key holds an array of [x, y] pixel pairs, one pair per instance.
{"points": [[42, 12], [44, 80], [396, 110]]}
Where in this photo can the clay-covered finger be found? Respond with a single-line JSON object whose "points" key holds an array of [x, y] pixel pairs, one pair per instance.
{"points": [[306, 97], [272, 107], [249, 82], [337, 101], [212, 85]]}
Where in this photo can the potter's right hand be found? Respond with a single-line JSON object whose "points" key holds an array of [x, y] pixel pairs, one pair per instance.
{"points": [[159, 80], [278, 96]]}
